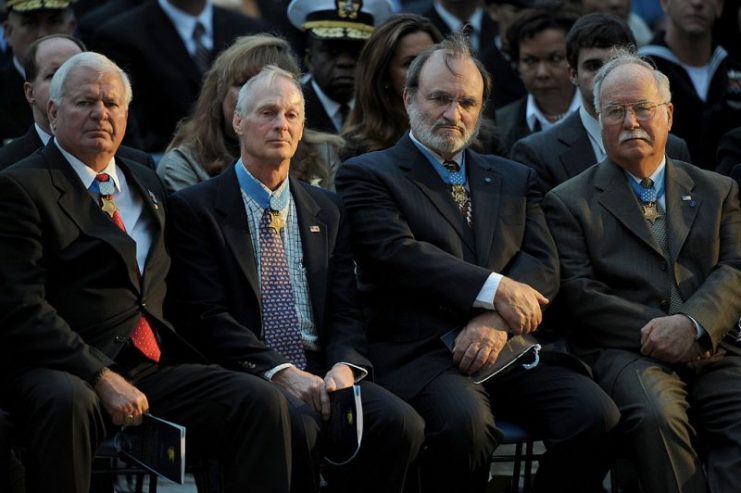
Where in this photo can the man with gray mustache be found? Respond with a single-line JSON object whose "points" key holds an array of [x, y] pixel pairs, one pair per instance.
{"points": [[650, 251]]}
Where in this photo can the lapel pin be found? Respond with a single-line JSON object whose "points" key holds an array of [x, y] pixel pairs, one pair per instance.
{"points": [[686, 197], [314, 229], [487, 179], [154, 199]]}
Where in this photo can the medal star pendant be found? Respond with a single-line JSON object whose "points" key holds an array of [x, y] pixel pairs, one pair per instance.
{"points": [[650, 212], [108, 205], [459, 194], [276, 221]]}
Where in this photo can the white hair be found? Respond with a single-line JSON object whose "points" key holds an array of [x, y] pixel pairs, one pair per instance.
{"points": [[88, 59], [270, 73]]}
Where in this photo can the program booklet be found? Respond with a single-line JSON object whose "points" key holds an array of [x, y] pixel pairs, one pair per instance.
{"points": [[343, 433], [521, 348], [157, 445]]}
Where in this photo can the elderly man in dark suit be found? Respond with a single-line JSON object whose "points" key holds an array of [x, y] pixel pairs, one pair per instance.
{"points": [[446, 238], [263, 279], [166, 46], [44, 57], [564, 151], [84, 344], [650, 253]]}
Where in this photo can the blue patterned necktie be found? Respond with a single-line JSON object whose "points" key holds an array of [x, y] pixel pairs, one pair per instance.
{"points": [[279, 316], [202, 55]]}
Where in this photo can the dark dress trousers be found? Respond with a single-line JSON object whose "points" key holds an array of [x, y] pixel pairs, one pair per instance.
{"points": [[420, 269], [72, 296], [166, 82], [615, 278], [564, 151], [216, 292], [29, 143]]}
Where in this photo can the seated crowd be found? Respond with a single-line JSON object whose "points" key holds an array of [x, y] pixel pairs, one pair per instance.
{"points": [[190, 227]]}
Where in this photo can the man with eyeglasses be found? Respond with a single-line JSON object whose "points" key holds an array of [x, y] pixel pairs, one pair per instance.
{"points": [[650, 256], [567, 149]]}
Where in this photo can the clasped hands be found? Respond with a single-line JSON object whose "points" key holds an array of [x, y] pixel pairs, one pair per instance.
{"points": [[123, 401], [671, 339], [482, 339], [311, 388]]}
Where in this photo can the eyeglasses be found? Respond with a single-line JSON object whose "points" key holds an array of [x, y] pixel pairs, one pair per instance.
{"points": [[644, 112]]}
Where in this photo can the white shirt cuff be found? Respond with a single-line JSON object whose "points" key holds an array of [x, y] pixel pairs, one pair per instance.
{"points": [[268, 375], [485, 298]]}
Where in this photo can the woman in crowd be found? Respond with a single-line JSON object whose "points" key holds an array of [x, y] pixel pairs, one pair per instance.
{"points": [[205, 143], [378, 118]]}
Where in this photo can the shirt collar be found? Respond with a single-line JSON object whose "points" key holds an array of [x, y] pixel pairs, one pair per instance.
{"points": [[86, 173], [533, 113], [591, 125], [437, 161], [276, 200], [657, 176], [329, 104], [45, 137], [185, 23]]}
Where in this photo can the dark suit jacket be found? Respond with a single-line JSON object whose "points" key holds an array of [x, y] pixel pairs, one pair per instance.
{"points": [[215, 285], [486, 36], [420, 267], [511, 123], [15, 113], [316, 116], [72, 293], [729, 151], [564, 151], [23, 147], [613, 272], [165, 79]]}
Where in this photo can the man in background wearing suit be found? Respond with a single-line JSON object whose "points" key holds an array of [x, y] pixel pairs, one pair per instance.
{"points": [[575, 144], [166, 46], [44, 57], [446, 238], [27, 21], [650, 252], [84, 345], [251, 238]]}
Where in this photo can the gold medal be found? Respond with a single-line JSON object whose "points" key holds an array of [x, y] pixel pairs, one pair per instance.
{"points": [[108, 205], [276, 221], [651, 212]]}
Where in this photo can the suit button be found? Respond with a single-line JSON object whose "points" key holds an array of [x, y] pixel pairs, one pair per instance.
{"points": [[119, 339], [664, 305]]}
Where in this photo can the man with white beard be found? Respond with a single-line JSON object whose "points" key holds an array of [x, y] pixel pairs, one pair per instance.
{"points": [[445, 239]]}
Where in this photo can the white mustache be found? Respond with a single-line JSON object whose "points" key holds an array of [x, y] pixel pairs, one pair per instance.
{"points": [[444, 123], [638, 133]]}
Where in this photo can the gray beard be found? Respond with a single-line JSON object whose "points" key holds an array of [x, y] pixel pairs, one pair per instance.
{"points": [[425, 133]]}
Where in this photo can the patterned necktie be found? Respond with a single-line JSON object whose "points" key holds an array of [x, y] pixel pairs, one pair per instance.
{"points": [[654, 215], [202, 55], [279, 316], [457, 182], [142, 336]]}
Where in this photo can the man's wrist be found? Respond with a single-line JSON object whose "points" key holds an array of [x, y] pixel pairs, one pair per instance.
{"points": [[98, 376]]}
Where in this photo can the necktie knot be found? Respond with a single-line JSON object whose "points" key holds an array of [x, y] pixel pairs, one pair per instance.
{"points": [[198, 31], [647, 192], [452, 166]]}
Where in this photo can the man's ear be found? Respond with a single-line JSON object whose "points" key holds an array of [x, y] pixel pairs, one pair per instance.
{"points": [[52, 112], [573, 76], [28, 91], [670, 114], [237, 123], [407, 97]]}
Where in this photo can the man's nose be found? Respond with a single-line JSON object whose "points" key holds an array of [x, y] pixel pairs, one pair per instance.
{"points": [[630, 120], [452, 111]]}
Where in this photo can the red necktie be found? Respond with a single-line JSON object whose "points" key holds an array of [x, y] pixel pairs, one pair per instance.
{"points": [[142, 336]]}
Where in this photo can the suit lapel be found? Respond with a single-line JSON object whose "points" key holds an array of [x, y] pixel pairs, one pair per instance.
{"points": [[681, 207], [165, 37], [617, 197], [579, 154], [80, 207], [486, 186], [313, 231], [234, 224]]}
